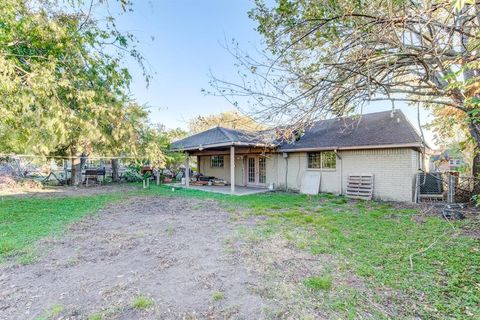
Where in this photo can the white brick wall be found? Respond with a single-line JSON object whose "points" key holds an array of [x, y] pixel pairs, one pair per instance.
{"points": [[393, 169]]}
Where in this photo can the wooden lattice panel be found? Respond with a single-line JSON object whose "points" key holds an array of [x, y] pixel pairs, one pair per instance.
{"points": [[360, 186]]}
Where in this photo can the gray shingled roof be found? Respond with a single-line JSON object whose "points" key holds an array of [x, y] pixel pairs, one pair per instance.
{"points": [[368, 130], [218, 136]]}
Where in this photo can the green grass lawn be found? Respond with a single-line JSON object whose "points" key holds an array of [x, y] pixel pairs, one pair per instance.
{"points": [[25, 220], [374, 239]]}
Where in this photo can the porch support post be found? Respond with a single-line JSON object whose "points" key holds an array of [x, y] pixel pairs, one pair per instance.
{"points": [[187, 171], [232, 169]]}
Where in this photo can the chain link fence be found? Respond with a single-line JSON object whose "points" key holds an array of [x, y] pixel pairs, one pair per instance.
{"points": [[448, 187], [57, 170]]}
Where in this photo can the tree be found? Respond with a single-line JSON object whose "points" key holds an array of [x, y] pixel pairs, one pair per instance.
{"points": [[329, 58], [173, 160], [63, 87], [229, 119], [153, 147]]}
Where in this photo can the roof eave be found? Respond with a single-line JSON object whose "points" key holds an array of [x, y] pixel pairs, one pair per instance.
{"points": [[383, 146], [226, 144]]}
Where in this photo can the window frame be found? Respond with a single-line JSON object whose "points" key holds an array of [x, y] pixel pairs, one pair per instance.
{"points": [[322, 160], [318, 160], [217, 163], [334, 155]]}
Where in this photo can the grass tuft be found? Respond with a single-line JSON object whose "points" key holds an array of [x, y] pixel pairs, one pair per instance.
{"points": [[107, 313], [97, 316], [52, 313], [170, 231], [318, 283], [217, 296], [142, 302]]}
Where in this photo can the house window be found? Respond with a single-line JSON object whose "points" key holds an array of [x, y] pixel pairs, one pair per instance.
{"points": [[322, 160], [216, 162], [315, 160], [455, 162], [329, 160]]}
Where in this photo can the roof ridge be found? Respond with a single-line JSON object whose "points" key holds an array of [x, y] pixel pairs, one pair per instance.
{"points": [[226, 133], [237, 130], [359, 115]]}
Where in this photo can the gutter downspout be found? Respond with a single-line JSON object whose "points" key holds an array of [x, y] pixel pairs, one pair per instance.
{"points": [[286, 174], [341, 170], [285, 156]]}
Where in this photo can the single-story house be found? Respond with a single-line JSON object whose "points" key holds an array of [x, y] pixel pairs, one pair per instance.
{"points": [[382, 144]]}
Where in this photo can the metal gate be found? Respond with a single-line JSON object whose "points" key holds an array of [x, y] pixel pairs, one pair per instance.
{"points": [[445, 187]]}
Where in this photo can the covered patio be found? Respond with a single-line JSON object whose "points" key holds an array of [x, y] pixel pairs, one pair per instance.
{"points": [[235, 157]]}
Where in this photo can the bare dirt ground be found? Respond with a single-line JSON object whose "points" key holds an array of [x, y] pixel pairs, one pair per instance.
{"points": [[172, 251], [192, 258], [65, 191]]}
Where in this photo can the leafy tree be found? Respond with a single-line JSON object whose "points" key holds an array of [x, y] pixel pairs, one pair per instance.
{"points": [[331, 57], [153, 144], [63, 86], [229, 119], [173, 160]]}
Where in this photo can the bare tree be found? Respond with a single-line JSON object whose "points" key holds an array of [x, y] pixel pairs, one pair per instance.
{"points": [[327, 58]]}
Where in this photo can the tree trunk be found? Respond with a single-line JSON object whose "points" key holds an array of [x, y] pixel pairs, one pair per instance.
{"points": [[475, 132], [76, 173], [115, 177], [476, 172], [476, 163]]}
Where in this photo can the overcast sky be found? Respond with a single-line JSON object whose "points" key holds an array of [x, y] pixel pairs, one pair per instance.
{"points": [[187, 44]]}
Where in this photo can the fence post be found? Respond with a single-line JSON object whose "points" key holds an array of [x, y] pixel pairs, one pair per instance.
{"points": [[417, 187], [451, 188]]}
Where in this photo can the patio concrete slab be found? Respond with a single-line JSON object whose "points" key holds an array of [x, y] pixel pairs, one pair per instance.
{"points": [[239, 190]]}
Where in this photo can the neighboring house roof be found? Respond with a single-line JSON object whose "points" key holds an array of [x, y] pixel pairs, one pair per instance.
{"points": [[373, 130], [218, 137]]}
